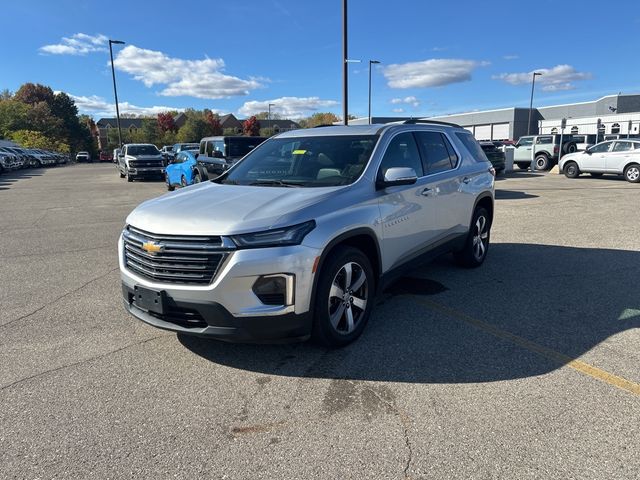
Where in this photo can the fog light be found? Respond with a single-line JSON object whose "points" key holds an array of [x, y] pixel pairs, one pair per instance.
{"points": [[275, 289]]}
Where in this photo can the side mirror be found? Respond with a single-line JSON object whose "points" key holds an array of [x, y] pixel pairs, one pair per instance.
{"points": [[397, 176], [588, 151]]}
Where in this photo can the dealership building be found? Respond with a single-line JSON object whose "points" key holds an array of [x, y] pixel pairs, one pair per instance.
{"points": [[617, 114]]}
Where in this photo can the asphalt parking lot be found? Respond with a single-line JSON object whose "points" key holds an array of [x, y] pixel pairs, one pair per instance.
{"points": [[528, 367]]}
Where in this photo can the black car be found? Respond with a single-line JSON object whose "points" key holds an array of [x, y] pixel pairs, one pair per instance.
{"points": [[495, 155]]}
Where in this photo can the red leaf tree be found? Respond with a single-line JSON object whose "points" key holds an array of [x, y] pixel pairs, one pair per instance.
{"points": [[214, 123], [166, 123], [251, 127]]}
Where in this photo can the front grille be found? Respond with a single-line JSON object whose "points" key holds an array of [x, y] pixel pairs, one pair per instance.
{"points": [[146, 163], [192, 260]]}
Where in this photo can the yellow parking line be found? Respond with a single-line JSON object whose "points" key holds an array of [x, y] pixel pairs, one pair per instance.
{"points": [[578, 365]]}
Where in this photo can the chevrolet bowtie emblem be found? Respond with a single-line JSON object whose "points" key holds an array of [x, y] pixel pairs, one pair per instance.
{"points": [[152, 247]]}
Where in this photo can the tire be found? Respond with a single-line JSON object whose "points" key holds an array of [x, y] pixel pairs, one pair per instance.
{"points": [[129, 178], [170, 187], [343, 300], [542, 162], [476, 245], [523, 166], [596, 174], [183, 182], [572, 148], [571, 170], [122, 175], [196, 178], [632, 173]]}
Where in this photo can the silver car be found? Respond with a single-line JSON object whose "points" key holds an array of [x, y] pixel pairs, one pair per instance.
{"points": [[618, 157], [296, 239]]}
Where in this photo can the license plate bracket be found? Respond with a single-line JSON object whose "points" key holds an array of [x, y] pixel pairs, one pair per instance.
{"points": [[150, 300]]}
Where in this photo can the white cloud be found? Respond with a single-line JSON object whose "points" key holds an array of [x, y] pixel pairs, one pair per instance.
{"points": [[98, 106], [511, 57], [77, 44], [430, 73], [398, 110], [560, 77], [194, 78], [413, 101], [287, 107]]}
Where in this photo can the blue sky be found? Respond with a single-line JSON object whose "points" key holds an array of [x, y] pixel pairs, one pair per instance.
{"points": [[238, 56]]}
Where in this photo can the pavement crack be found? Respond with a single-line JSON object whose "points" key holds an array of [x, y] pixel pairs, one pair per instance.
{"points": [[59, 298], [405, 422], [81, 362]]}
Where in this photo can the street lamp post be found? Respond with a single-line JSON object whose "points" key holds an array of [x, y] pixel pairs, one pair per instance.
{"points": [[370, 63], [345, 75], [115, 91], [269, 116], [533, 84]]}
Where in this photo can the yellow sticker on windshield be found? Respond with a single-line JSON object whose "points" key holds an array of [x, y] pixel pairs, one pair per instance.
{"points": [[299, 152]]}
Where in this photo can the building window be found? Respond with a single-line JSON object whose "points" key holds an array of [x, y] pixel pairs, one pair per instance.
{"points": [[615, 128], [554, 131], [574, 130]]}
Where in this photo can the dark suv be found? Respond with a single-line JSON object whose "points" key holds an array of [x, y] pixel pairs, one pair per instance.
{"points": [[219, 153]]}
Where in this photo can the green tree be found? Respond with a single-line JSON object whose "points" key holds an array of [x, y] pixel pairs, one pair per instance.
{"points": [[194, 129], [319, 118], [13, 116], [34, 139]]}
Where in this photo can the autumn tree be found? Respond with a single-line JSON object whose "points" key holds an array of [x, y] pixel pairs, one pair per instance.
{"points": [[166, 123], [251, 127], [213, 120], [32, 93]]}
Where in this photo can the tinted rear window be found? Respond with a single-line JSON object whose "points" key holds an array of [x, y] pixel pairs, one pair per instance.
{"points": [[472, 146]]}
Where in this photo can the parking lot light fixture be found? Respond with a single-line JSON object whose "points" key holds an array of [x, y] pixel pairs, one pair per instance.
{"points": [[371, 62], [533, 84], [269, 113], [115, 91]]}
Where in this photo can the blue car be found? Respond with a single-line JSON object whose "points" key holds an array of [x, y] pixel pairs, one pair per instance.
{"points": [[180, 171]]}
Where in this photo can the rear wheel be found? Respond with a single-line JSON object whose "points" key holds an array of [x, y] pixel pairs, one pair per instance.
{"points": [[571, 170], [477, 243], [196, 178], [632, 173], [542, 162], [344, 297]]}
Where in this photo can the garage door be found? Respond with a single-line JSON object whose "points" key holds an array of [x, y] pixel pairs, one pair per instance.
{"points": [[500, 131], [483, 132]]}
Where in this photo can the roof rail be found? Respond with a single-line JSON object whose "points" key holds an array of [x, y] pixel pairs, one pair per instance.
{"points": [[325, 125], [413, 121]]}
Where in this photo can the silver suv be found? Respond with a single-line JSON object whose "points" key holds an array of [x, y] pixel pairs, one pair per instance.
{"points": [[295, 239]]}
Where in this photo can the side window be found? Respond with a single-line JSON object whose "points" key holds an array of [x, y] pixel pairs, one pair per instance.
{"points": [[542, 140], [402, 152], [209, 149], [525, 142], [474, 148], [601, 147], [622, 146], [435, 152], [179, 158], [202, 148]]}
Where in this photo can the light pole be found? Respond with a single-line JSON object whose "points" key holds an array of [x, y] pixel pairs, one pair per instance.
{"points": [[533, 84], [269, 116], [115, 91], [345, 80], [370, 63]]}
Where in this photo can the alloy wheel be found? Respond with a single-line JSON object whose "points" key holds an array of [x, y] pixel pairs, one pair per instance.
{"points": [[348, 298], [633, 173], [480, 238]]}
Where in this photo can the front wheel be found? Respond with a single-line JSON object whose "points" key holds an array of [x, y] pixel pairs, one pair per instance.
{"points": [[183, 182], [632, 173], [344, 297], [476, 245], [170, 187], [571, 170], [196, 178], [129, 177]]}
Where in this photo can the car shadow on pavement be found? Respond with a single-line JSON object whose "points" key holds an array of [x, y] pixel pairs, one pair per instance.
{"points": [[513, 195], [7, 179], [439, 324]]}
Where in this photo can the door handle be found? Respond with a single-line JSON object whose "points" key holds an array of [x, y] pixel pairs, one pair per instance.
{"points": [[466, 180], [426, 192]]}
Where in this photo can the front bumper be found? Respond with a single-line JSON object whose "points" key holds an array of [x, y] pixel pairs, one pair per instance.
{"points": [[145, 172], [227, 308]]}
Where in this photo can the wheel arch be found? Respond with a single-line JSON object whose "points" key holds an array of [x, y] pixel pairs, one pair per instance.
{"points": [[628, 164], [486, 201], [364, 239]]}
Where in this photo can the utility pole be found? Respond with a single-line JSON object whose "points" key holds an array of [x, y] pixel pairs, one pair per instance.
{"points": [[345, 81], [115, 91], [533, 84]]}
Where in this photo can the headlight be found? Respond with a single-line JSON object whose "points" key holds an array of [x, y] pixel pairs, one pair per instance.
{"points": [[275, 238]]}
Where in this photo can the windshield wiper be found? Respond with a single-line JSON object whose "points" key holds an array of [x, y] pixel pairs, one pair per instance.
{"points": [[276, 183]]}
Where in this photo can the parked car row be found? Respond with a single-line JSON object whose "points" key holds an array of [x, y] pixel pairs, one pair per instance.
{"points": [[617, 157], [13, 158]]}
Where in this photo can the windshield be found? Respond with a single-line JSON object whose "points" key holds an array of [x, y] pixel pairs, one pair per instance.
{"points": [[142, 150], [324, 161]]}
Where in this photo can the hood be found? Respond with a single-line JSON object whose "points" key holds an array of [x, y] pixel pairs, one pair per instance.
{"points": [[572, 156], [212, 209]]}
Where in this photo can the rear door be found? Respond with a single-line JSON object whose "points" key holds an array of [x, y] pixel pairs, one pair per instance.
{"points": [[619, 156]]}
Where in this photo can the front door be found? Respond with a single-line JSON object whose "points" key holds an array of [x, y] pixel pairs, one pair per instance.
{"points": [[522, 152], [594, 160]]}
